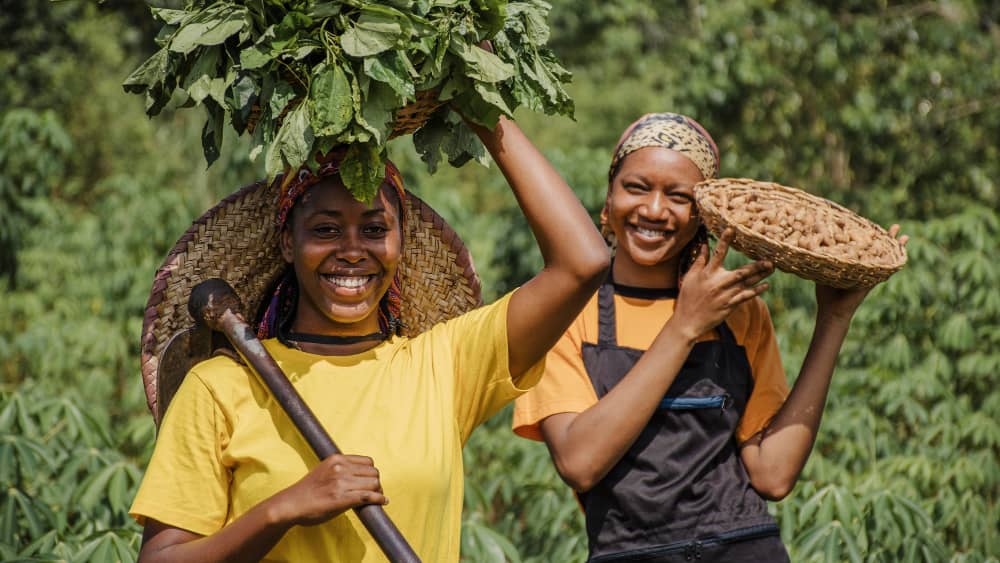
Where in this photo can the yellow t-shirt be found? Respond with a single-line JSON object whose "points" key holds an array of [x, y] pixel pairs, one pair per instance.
{"points": [[566, 387], [225, 445]]}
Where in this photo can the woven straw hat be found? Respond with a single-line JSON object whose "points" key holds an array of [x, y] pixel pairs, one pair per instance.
{"points": [[237, 240]]}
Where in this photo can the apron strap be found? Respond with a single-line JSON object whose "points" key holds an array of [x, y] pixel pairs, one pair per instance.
{"points": [[607, 334], [726, 334]]}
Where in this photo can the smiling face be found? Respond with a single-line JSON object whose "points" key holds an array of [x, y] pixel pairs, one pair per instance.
{"points": [[650, 208], [345, 255]]}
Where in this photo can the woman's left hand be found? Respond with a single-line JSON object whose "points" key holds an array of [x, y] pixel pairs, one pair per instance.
{"points": [[842, 303]]}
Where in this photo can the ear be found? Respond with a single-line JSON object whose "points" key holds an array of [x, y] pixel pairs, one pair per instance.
{"points": [[607, 204], [287, 244]]}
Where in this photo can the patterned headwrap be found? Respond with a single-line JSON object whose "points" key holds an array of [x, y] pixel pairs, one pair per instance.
{"points": [[670, 131], [282, 303]]}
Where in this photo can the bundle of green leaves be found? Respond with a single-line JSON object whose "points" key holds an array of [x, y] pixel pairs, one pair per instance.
{"points": [[302, 76]]}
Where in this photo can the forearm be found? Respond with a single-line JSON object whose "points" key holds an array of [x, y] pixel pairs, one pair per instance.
{"points": [[587, 447], [786, 443], [564, 230], [248, 538]]}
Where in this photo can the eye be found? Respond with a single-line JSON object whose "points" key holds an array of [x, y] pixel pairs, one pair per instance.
{"points": [[681, 199], [375, 230], [325, 230], [635, 187]]}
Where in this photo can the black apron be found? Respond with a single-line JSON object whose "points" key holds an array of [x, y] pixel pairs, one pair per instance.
{"points": [[680, 492]]}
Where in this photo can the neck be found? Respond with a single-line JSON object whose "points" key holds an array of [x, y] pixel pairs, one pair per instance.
{"points": [[335, 349], [330, 341], [627, 272]]}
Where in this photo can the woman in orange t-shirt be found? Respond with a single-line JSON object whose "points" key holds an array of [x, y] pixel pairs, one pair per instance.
{"points": [[665, 405]]}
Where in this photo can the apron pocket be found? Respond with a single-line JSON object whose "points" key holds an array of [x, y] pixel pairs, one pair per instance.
{"points": [[692, 403]]}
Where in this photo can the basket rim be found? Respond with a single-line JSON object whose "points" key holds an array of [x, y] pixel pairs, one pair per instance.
{"points": [[704, 196]]}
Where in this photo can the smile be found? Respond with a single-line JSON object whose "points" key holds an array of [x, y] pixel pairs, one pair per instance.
{"points": [[651, 234], [348, 285], [348, 281]]}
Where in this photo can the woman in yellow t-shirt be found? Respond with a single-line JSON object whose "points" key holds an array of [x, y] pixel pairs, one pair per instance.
{"points": [[230, 479], [665, 405]]}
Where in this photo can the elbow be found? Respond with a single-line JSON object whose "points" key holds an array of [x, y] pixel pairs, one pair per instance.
{"points": [[591, 266], [578, 476], [773, 488]]}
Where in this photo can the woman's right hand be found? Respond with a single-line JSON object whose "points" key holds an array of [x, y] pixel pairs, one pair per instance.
{"points": [[709, 292], [338, 483]]}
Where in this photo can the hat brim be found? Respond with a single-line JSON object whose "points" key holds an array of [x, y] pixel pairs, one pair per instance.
{"points": [[237, 240]]}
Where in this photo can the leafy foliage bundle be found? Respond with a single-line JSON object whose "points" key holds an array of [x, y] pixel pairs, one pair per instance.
{"points": [[306, 75]]}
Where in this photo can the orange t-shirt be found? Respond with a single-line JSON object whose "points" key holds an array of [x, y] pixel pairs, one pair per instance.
{"points": [[566, 387]]}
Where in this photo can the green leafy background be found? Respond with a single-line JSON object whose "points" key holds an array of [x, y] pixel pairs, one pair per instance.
{"points": [[892, 109]]}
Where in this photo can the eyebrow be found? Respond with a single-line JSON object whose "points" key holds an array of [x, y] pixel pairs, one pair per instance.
{"points": [[635, 176]]}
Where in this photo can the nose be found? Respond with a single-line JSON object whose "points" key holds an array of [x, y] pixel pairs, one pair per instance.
{"points": [[655, 207], [351, 249]]}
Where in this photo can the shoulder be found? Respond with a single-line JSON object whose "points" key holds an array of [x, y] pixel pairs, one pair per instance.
{"points": [[219, 375]]}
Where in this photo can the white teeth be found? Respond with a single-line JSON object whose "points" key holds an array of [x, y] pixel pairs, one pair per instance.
{"points": [[650, 232], [348, 281]]}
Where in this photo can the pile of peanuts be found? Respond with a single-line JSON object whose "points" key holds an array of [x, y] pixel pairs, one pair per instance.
{"points": [[827, 232]]}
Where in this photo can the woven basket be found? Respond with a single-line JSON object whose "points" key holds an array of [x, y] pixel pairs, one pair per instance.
{"points": [[237, 240], [409, 118], [801, 233]]}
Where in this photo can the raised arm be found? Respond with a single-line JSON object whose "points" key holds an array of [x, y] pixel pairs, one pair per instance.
{"points": [[585, 446], [775, 456], [574, 253]]}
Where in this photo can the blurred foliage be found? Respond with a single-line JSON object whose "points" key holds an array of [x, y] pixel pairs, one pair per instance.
{"points": [[891, 108]]}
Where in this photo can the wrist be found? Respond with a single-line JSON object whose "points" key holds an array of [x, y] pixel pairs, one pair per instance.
{"points": [[679, 332], [832, 316], [276, 513]]}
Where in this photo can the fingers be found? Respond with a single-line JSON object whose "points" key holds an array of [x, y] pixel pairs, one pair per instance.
{"points": [[701, 257], [749, 293], [753, 273], [722, 248], [894, 231]]}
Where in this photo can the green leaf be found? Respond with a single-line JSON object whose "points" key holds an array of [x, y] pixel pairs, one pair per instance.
{"points": [[324, 10], [379, 110], [170, 17], [211, 134], [481, 64], [490, 15], [378, 29], [292, 143], [393, 69], [150, 72], [212, 27], [533, 16], [205, 67], [244, 97], [362, 171], [332, 105], [255, 57]]}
